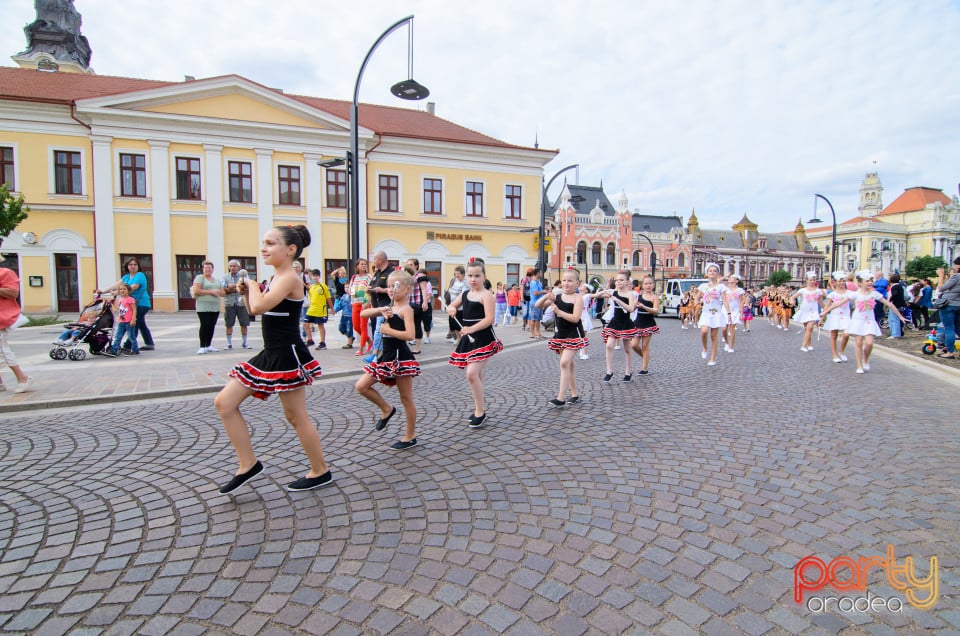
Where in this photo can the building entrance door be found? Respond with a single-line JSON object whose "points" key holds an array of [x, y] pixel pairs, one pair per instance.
{"points": [[68, 293], [188, 267]]}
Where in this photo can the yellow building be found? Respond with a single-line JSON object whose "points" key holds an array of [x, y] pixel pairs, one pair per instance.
{"points": [[179, 172], [920, 222]]}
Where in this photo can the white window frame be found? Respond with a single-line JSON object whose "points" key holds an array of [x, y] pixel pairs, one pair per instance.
{"points": [[118, 184], [443, 197], [226, 180], [16, 163], [52, 172], [204, 191], [485, 201], [376, 191], [506, 210], [276, 186]]}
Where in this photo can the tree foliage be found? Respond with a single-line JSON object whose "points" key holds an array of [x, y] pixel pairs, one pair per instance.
{"points": [[779, 277], [12, 211], [924, 267]]}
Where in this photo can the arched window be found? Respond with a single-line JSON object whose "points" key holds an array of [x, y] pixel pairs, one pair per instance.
{"points": [[582, 252], [596, 254], [611, 254], [680, 260], [637, 255]]}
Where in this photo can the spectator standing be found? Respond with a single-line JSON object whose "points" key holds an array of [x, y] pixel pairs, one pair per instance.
{"points": [[419, 300], [457, 286], [926, 301], [341, 303], [9, 313], [948, 285], [897, 299], [379, 296], [359, 284], [207, 291], [317, 312], [882, 286], [513, 304], [137, 281], [233, 308]]}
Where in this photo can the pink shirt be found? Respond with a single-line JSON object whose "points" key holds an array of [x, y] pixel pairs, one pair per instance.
{"points": [[9, 309], [126, 308]]}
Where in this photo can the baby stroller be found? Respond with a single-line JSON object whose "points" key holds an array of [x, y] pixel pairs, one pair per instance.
{"points": [[95, 328]]}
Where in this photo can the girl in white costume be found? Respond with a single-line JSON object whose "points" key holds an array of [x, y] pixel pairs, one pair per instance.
{"points": [[733, 295], [863, 326], [808, 313], [714, 312], [837, 320]]}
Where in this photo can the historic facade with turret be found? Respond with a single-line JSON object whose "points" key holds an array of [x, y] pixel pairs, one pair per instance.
{"points": [[751, 254], [922, 221]]}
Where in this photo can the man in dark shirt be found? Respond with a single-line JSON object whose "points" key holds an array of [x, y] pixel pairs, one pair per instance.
{"points": [[378, 293]]}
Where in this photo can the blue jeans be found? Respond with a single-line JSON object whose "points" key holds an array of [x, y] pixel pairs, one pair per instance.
{"points": [[896, 327], [128, 330], [377, 336], [346, 321], [948, 316]]}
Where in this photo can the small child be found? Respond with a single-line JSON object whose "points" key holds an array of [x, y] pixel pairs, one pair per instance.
{"points": [[837, 320], [126, 308], [74, 329], [623, 301], [478, 342], [811, 305], [568, 335], [648, 306], [714, 312], [734, 295], [863, 324], [396, 364], [320, 302], [513, 304]]}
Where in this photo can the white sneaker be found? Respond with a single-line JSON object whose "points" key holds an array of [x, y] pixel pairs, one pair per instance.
{"points": [[866, 366], [804, 349], [712, 363], [843, 357], [201, 351], [212, 349], [427, 340], [729, 350], [451, 339], [837, 360], [618, 347], [23, 387], [809, 348], [584, 356], [859, 370], [703, 354]]}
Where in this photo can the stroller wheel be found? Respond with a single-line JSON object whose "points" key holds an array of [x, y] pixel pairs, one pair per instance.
{"points": [[78, 354], [59, 353]]}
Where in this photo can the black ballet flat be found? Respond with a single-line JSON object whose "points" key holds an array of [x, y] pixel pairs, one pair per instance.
{"points": [[383, 421], [241, 479]]}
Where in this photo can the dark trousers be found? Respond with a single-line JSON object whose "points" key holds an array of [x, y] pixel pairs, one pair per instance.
{"points": [[142, 327], [208, 325]]}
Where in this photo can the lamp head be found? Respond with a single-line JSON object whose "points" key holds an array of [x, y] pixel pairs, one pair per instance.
{"points": [[815, 220], [410, 89]]}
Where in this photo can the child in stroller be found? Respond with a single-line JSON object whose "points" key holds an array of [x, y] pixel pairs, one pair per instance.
{"points": [[94, 328]]}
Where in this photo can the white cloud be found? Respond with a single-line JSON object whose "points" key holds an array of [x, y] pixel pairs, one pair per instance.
{"points": [[730, 106]]}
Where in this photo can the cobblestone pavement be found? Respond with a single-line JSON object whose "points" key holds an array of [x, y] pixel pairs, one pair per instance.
{"points": [[677, 504]]}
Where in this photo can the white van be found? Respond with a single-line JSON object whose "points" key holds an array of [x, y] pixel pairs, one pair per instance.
{"points": [[674, 290]]}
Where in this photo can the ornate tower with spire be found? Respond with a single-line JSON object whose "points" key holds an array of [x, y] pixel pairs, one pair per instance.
{"points": [[747, 230], [800, 233], [54, 42], [871, 195]]}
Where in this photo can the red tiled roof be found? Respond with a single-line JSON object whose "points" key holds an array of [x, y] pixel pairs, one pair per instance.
{"points": [[916, 199], [64, 88]]}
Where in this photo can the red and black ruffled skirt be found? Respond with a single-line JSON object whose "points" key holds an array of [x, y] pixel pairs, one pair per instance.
{"points": [[387, 371], [277, 370], [621, 334], [485, 345], [559, 344]]}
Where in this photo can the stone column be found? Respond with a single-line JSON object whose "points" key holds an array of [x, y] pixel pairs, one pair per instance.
{"points": [[103, 218], [213, 162], [312, 188], [164, 285], [265, 220]]}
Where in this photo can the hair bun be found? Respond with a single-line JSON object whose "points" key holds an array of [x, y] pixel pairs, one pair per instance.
{"points": [[304, 234]]}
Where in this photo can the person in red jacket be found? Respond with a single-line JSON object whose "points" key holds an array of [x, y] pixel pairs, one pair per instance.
{"points": [[9, 313]]}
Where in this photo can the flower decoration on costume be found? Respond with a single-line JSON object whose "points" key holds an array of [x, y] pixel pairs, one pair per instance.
{"points": [[866, 305]]}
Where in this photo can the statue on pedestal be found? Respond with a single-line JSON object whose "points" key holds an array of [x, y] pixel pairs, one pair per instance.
{"points": [[54, 39]]}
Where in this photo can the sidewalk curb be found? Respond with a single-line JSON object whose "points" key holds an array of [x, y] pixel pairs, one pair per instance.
{"points": [[920, 364], [112, 400]]}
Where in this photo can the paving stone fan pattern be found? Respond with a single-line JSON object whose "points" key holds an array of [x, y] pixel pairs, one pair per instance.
{"points": [[677, 504]]}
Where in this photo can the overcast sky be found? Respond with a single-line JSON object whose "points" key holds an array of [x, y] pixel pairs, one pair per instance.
{"points": [[726, 106]]}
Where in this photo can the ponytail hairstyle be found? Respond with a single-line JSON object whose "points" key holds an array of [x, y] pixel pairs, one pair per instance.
{"points": [[296, 235], [477, 262]]}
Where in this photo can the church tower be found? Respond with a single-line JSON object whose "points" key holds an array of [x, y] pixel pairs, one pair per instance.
{"points": [[871, 195], [54, 42]]}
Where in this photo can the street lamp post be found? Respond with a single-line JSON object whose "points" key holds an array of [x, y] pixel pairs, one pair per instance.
{"points": [[541, 253], [407, 89], [833, 236], [653, 256]]}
